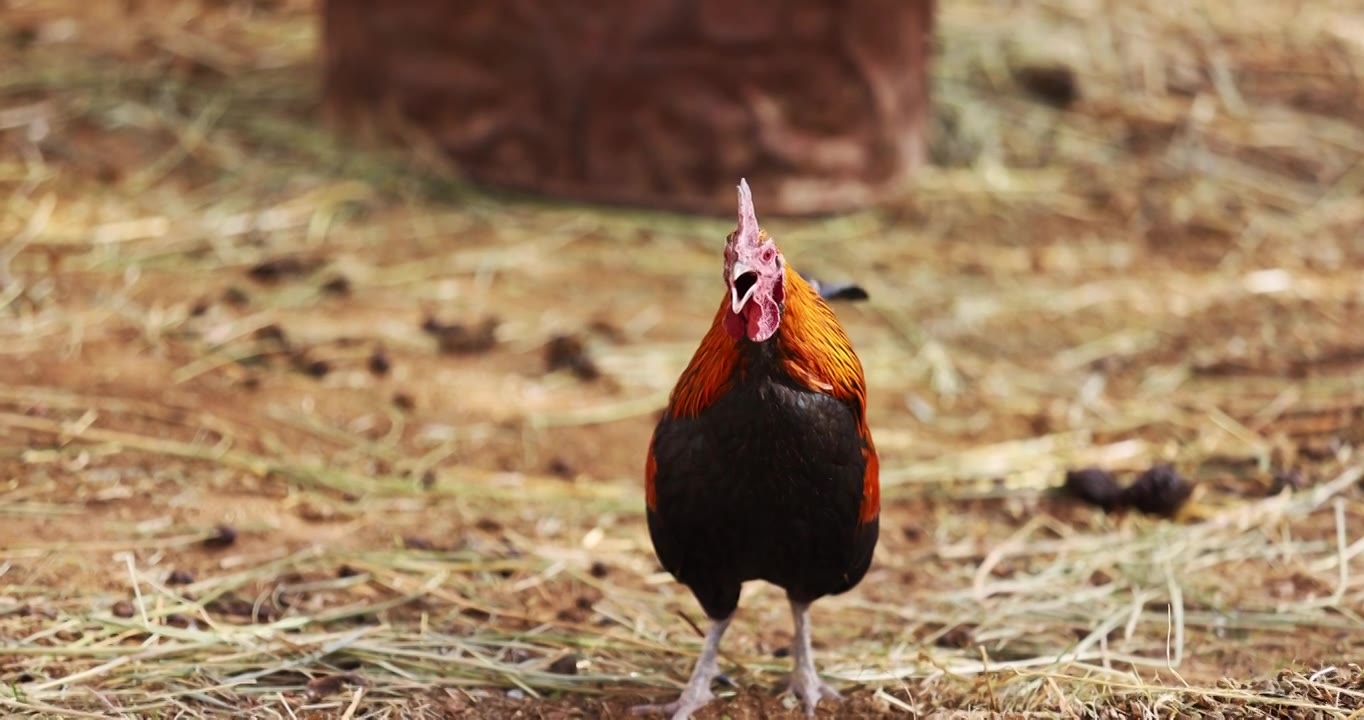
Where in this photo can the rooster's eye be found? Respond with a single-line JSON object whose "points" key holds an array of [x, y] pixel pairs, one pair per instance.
{"points": [[768, 254]]}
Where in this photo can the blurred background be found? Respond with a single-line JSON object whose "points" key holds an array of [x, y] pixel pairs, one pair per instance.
{"points": [[332, 335]]}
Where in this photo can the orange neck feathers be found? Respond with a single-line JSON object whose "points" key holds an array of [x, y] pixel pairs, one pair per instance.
{"points": [[812, 349]]}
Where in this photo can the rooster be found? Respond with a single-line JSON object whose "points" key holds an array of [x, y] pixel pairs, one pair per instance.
{"points": [[762, 467]]}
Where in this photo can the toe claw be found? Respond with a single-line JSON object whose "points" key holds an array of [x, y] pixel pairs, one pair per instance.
{"points": [[810, 690], [657, 708], [679, 709]]}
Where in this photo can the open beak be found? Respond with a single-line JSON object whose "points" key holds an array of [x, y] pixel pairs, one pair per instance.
{"points": [[742, 283]]}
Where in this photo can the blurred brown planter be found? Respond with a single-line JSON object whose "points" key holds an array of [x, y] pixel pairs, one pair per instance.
{"points": [[821, 104]]}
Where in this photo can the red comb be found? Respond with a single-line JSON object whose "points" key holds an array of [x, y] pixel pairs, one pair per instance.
{"points": [[748, 220]]}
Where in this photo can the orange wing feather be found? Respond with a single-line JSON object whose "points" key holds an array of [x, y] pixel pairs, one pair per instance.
{"points": [[871, 484]]}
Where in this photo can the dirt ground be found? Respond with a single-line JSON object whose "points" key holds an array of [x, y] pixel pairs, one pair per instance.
{"points": [[295, 427]]}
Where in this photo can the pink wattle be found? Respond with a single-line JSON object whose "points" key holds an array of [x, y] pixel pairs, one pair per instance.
{"points": [[756, 321]]}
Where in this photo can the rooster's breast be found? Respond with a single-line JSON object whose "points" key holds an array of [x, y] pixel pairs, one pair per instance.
{"points": [[766, 483]]}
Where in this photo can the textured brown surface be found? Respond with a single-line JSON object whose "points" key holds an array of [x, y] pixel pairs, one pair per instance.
{"points": [[664, 103]]}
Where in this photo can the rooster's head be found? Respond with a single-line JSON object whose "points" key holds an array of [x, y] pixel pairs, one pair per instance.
{"points": [[756, 275]]}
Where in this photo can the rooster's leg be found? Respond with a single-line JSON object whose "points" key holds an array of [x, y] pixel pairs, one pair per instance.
{"points": [[805, 682], [697, 692]]}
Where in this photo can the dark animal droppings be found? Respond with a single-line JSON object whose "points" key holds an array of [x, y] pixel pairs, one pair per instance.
{"points": [[567, 352], [124, 609], [223, 536], [338, 286], [315, 368], [1094, 486], [1053, 84], [566, 665], [277, 269], [234, 606], [179, 577], [379, 363], [475, 614], [457, 339], [272, 333], [1158, 491], [560, 468]]}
